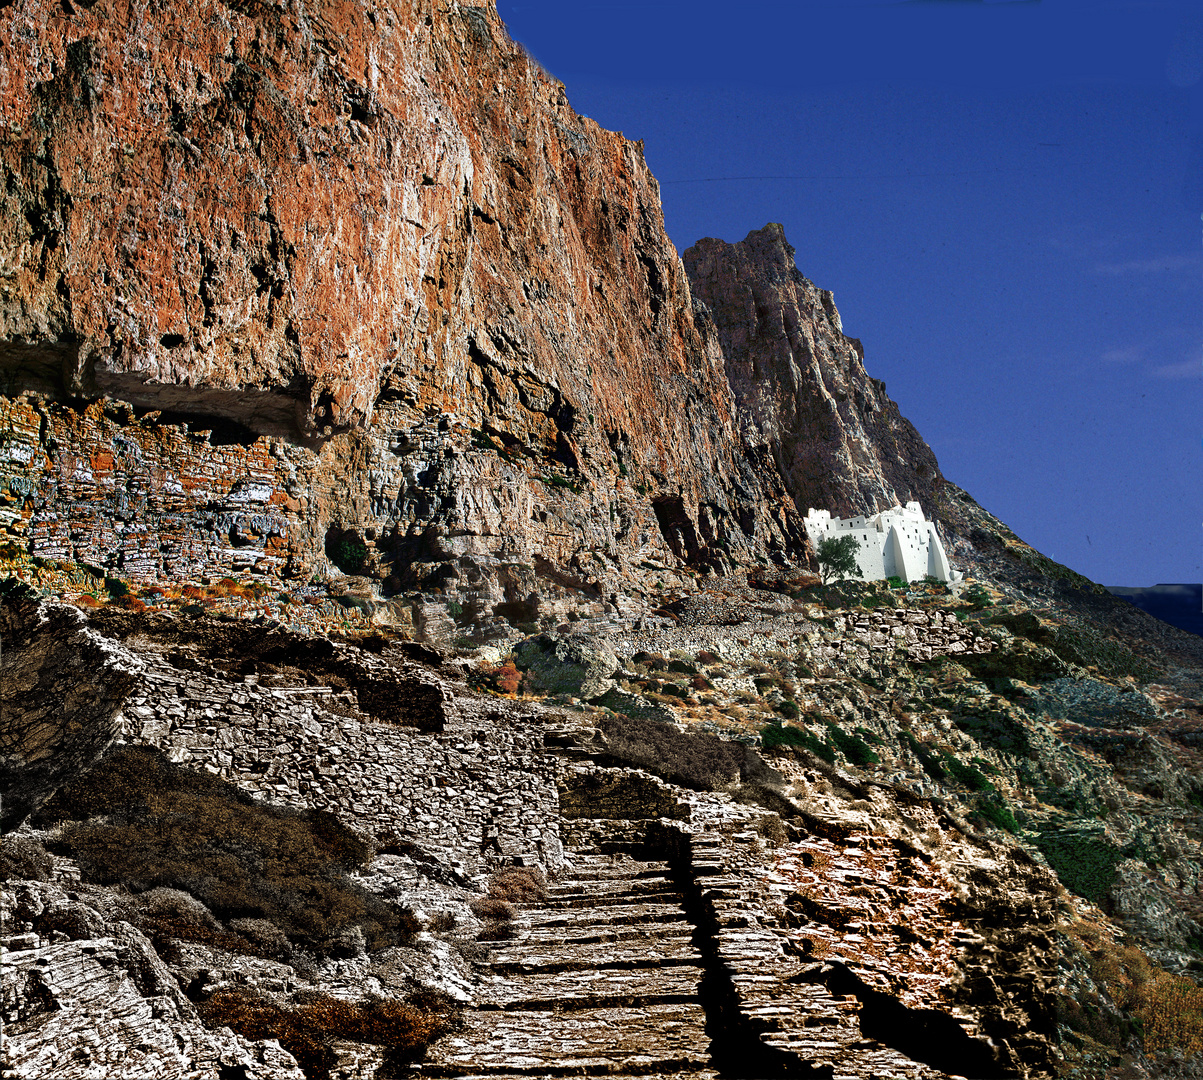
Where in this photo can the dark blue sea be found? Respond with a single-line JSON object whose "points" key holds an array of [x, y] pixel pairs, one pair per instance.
{"points": [[1178, 605]]}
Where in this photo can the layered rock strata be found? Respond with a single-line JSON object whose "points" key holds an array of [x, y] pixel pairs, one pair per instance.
{"points": [[62, 686]]}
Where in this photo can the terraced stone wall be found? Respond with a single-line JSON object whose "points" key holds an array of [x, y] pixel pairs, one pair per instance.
{"points": [[481, 790]]}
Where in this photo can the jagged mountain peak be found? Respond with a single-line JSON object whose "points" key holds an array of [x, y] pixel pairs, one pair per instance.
{"points": [[839, 441]]}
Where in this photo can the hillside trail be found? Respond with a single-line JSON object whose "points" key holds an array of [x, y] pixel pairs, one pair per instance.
{"points": [[616, 974]]}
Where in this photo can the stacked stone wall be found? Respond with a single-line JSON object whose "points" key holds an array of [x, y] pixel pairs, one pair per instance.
{"points": [[920, 634], [478, 792]]}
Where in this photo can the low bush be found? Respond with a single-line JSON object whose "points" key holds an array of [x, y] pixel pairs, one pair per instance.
{"points": [[489, 907], [518, 885], [140, 821], [927, 759], [497, 930], [996, 728], [856, 750], [773, 735], [977, 597], [789, 709], [308, 1031], [1168, 1009], [694, 760], [1085, 863], [23, 859], [967, 774], [997, 812], [267, 938]]}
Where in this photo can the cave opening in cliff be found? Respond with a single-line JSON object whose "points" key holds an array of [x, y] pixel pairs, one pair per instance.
{"points": [[346, 549]]}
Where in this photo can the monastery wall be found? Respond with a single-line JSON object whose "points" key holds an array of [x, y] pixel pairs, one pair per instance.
{"points": [[894, 543]]}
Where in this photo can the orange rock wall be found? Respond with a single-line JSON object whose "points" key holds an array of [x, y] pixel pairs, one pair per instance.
{"points": [[409, 291]]}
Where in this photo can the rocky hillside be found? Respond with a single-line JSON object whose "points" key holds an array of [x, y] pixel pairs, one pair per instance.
{"points": [[410, 658]]}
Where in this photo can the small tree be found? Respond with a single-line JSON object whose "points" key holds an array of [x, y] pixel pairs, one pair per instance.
{"points": [[837, 557]]}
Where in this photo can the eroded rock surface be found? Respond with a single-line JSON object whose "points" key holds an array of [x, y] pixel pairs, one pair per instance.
{"points": [[85, 995], [63, 686], [838, 440]]}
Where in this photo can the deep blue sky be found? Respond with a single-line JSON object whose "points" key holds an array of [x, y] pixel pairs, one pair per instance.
{"points": [[1005, 198]]}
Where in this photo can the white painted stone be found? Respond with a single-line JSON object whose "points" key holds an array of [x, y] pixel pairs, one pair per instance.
{"points": [[898, 542]]}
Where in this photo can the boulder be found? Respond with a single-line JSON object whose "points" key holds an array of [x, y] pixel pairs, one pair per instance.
{"points": [[580, 665]]}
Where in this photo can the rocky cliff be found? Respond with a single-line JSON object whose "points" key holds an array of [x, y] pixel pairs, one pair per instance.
{"points": [[362, 285], [837, 440], [327, 329]]}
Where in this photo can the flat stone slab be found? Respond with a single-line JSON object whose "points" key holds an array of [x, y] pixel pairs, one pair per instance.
{"points": [[650, 933], [654, 1040], [584, 989], [665, 891], [649, 952], [601, 915]]}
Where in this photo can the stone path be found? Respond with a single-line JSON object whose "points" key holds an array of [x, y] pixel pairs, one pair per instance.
{"points": [[601, 980], [606, 979]]}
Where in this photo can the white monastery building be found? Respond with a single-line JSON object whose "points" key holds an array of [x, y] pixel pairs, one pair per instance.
{"points": [[898, 542]]}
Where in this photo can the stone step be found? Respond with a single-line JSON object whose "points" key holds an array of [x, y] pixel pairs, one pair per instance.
{"points": [[856, 1058], [650, 933], [652, 1040], [646, 954], [592, 989], [601, 915], [610, 881], [613, 868], [596, 899]]}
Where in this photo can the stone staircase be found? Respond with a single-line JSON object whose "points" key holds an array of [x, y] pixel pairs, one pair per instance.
{"points": [[625, 972], [601, 980]]}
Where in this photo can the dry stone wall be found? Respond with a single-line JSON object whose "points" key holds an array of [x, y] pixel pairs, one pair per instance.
{"points": [[921, 634], [479, 791]]}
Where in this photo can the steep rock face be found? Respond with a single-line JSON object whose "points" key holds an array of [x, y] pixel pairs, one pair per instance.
{"points": [[838, 440], [63, 686], [297, 222]]}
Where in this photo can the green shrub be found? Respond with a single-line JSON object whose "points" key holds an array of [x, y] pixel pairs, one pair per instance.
{"points": [[772, 735], [789, 709], [553, 480], [454, 608], [929, 761], [140, 821], [348, 553], [895, 582], [978, 597], [967, 774], [1085, 863], [856, 750], [997, 729], [870, 736], [997, 811]]}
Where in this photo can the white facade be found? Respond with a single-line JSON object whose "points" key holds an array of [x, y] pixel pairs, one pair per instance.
{"points": [[898, 542]]}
